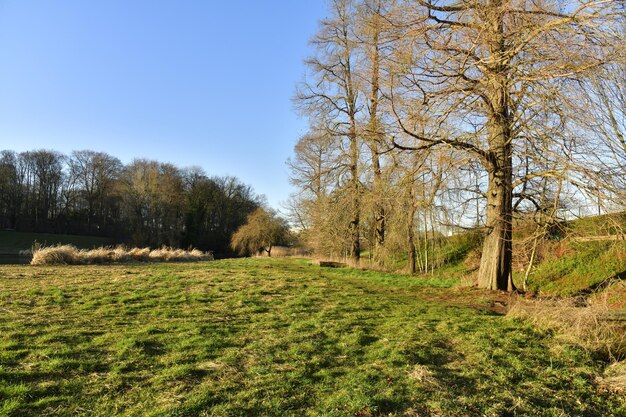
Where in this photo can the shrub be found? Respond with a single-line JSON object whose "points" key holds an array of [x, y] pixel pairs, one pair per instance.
{"points": [[56, 255], [140, 254]]}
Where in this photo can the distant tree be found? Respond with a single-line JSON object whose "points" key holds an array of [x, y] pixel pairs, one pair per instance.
{"points": [[143, 203], [9, 201], [262, 232], [47, 171], [94, 174], [214, 209], [153, 202]]}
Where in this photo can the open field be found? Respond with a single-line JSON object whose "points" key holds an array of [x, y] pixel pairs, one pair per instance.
{"points": [[274, 337]]}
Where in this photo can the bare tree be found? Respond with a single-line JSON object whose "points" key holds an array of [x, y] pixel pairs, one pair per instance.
{"points": [[153, 197], [601, 115], [372, 36], [47, 173], [315, 170], [10, 195], [316, 165], [333, 96], [94, 174], [487, 70]]}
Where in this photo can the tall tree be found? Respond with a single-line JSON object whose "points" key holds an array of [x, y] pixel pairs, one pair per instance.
{"points": [[486, 68], [152, 193], [333, 97], [315, 170], [371, 35], [9, 190]]}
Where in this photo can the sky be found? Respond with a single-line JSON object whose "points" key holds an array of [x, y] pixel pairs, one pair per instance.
{"points": [[191, 82]]}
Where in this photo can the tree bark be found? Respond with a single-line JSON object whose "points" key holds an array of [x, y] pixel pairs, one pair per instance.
{"points": [[355, 238], [374, 136], [495, 262], [495, 271], [411, 250], [379, 208]]}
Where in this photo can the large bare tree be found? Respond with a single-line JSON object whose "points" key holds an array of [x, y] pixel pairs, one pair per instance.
{"points": [[332, 95], [491, 71]]}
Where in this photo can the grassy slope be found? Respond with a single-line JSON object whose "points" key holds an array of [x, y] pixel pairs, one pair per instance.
{"points": [[572, 267], [566, 267], [13, 242], [274, 337], [582, 266]]}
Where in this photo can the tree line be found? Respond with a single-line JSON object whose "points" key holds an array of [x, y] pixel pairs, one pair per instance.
{"points": [[432, 116], [143, 203]]}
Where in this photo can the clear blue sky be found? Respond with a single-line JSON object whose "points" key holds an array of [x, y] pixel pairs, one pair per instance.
{"points": [[201, 82]]}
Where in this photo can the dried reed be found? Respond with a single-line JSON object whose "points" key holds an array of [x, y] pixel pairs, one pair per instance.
{"points": [[70, 255]]}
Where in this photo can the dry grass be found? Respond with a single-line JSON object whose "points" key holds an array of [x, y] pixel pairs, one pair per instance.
{"points": [[139, 254], [56, 255], [614, 378], [70, 255], [423, 374], [591, 325], [176, 255]]}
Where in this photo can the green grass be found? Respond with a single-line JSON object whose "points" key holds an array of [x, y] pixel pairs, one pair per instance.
{"points": [[568, 268], [584, 266], [265, 337], [13, 242], [606, 224]]}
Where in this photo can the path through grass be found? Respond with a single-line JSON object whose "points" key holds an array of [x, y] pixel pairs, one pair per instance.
{"points": [[274, 338]]}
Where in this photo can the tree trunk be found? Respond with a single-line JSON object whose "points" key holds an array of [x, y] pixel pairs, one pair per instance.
{"points": [[379, 208], [374, 138], [411, 250], [351, 101], [495, 262], [355, 238], [495, 271]]}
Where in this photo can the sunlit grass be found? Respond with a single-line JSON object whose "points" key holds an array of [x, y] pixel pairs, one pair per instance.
{"points": [[274, 338]]}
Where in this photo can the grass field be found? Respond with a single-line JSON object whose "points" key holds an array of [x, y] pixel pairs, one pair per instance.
{"points": [[265, 337]]}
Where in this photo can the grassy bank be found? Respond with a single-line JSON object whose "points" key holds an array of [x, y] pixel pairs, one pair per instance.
{"points": [[579, 260], [14, 242], [275, 337], [571, 268]]}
